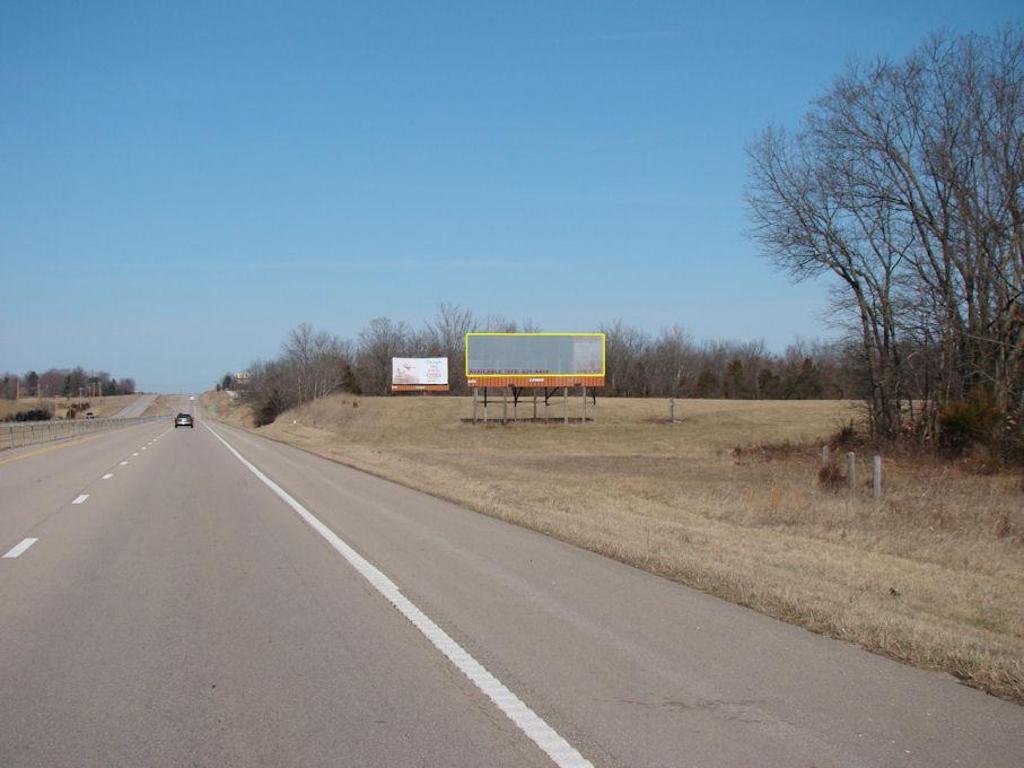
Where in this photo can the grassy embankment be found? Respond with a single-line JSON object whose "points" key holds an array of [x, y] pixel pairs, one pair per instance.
{"points": [[167, 405], [932, 573]]}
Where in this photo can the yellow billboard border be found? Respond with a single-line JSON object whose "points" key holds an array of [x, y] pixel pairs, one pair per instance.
{"points": [[604, 355]]}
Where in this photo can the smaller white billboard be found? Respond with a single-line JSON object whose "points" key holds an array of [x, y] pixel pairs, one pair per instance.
{"points": [[419, 371]]}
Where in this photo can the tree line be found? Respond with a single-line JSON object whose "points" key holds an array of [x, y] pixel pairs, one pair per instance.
{"points": [[672, 363], [905, 184], [63, 382]]}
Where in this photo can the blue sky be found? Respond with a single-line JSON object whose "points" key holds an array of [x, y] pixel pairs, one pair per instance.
{"points": [[181, 183]]}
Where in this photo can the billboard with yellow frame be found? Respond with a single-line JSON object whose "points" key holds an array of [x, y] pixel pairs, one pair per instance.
{"points": [[535, 359]]}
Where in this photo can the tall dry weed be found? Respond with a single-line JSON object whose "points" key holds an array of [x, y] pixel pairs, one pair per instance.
{"points": [[831, 477]]}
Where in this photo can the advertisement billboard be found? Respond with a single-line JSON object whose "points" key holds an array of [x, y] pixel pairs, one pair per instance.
{"points": [[419, 374], [535, 359]]}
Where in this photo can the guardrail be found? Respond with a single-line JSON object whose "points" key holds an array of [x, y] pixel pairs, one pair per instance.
{"points": [[24, 433]]}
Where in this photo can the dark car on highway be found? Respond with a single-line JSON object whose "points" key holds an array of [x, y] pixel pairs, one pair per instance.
{"points": [[183, 420]]}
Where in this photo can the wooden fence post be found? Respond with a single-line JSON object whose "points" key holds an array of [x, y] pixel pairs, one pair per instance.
{"points": [[876, 475], [851, 469], [824, 456]]}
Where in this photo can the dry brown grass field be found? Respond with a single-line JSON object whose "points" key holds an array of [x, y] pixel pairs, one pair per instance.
{"points": [[102, 407], [165, 405], [932, 573]]}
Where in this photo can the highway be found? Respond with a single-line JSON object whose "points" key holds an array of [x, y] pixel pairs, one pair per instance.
{"points": [[137, 408], [206, 597]]}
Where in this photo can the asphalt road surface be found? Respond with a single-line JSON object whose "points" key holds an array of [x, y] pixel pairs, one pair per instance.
{"points": [[137, 408], [204, 597]]}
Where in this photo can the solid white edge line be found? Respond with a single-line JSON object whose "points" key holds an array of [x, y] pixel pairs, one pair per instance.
{"points": [[18, 549], [561, 752], [81, 499]]}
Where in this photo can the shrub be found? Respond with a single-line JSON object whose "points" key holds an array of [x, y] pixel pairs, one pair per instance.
{"points": [[269, 409], [964, 423], [845, 435], [1003, 527], [76, 408], [35, 414], [831, 478]]}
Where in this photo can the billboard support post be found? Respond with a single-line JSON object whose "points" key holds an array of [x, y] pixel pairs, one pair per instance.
{"points": [[504, 405], [565, 405], [584, 404], [474, 405], [535, 405]]}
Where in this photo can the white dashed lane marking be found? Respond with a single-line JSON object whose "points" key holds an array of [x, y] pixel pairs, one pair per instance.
{"points": [[81, 499], [124, 463], [107, 476], [18, 549]]}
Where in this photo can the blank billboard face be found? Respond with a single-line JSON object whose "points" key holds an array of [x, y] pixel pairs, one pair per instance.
{"points": [[535, 354]]}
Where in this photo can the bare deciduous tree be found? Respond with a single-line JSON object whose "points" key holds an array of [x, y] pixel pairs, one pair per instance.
{"points": [[906, 183], [379, 342], [318, 361], [447, 332]]}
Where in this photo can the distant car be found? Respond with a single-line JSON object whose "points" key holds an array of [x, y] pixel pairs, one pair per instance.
{"points": [[183, 420], [90, 415]]}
